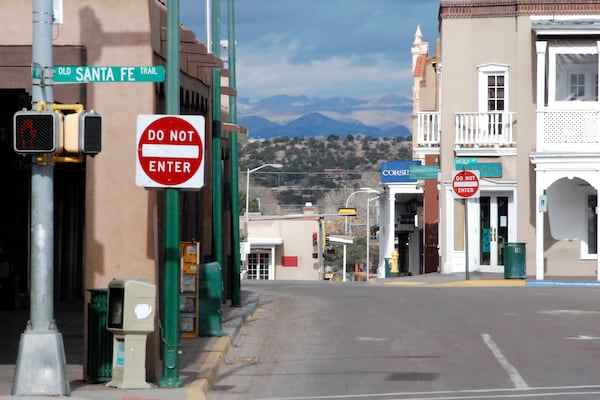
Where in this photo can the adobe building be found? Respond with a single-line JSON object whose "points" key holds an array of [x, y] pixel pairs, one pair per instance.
{"points": [[524, 113], [105, 226]]}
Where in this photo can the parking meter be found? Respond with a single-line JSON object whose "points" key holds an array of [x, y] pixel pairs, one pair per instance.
{"points": [[131, 308]]}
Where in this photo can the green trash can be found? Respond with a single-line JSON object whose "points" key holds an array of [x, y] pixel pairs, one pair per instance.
{"points": [[100, 339], [514, 261], [210, 299]]}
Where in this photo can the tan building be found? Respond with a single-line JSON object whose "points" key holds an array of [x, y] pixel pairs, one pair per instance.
{"points": [[105, 226], [281, 249], [518, 101]]}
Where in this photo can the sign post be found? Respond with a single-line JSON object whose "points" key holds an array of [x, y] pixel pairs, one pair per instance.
{"points": [[465, 185]]}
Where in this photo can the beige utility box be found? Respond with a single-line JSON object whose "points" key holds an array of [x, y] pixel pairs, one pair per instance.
{"points": [[131, 310]]}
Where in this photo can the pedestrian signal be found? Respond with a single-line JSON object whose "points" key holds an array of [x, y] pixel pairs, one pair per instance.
{"points": [[36, 132], [83, 133]]}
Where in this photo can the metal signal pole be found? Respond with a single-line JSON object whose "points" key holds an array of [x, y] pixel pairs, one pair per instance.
{"points": [[41, 364]]}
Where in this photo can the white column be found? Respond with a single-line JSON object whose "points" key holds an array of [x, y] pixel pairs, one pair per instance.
{"points": [[387, 244], [540, 91], [384, 231], [540, 47], [539, 226], [597, 237], [272, 264]]}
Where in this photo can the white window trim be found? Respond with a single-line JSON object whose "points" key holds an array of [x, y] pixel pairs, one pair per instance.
{"points": [[574, 48], [492, 69]]}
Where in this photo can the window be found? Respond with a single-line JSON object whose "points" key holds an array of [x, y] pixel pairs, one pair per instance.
{"points": [[573, 72], [493, 87], [493, 92]]}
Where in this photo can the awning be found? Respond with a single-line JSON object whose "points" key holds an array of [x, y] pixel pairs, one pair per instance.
{"points": [[265, 241]]}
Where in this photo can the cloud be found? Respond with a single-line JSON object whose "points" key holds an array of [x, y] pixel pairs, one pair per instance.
{"points": [[324, 48], [271, 69]]}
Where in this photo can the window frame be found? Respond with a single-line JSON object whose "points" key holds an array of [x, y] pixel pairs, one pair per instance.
{"points": [[484, 71]]}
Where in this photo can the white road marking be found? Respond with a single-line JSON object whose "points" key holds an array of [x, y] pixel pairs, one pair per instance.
{"points": [[369, 339], [512, 372], [470, 394], [583, 337]]}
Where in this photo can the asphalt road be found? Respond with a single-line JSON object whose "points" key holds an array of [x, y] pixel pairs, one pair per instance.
{"points": [[327, 340]]}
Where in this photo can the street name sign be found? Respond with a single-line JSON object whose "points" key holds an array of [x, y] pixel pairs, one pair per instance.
{"points": [[423, 171], [486, 170], [170, 151], [465, 184], [36, 70], [90, 74]]}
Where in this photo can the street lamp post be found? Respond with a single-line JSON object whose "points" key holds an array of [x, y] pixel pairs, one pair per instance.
{"points": [[368, 269], [246, 218], [248, 172], [368, 236], [362, 190]]}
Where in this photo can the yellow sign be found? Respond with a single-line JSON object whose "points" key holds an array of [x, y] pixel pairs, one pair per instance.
{"points": [[347, 212]]}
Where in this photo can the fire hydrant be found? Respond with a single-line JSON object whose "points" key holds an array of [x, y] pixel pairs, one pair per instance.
{"points": [[394, 263]]}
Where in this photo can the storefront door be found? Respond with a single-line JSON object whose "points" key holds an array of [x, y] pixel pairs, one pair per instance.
{"points": [[258, 264], [494, 228]]}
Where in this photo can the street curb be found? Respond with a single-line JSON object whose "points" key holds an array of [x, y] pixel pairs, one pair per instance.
{"points": [[462, 283], [208, 370], [554, 283], [199, 388]]}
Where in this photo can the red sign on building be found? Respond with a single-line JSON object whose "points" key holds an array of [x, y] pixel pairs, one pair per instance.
{"points": [[170, 151]]}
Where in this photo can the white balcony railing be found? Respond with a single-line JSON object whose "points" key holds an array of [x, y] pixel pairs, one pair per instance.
{"points": [[569, 130], [484, 129], [428, 129]]}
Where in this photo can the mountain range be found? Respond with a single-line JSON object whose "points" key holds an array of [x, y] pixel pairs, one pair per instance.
{"points": [[301, 116]]}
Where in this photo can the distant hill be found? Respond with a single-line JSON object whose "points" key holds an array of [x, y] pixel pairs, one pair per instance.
{"points": [[314, 168], [300, 116], [316, 125]]}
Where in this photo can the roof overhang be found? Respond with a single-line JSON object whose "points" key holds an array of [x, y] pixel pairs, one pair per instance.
{"points": [[579, 25], [265, 241]]}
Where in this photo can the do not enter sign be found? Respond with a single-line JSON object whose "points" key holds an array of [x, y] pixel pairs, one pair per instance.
{"points": [[170, 151], [465, 184]]}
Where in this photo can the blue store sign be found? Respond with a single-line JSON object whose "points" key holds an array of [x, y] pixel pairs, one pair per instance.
{"points": [[397, 171]]}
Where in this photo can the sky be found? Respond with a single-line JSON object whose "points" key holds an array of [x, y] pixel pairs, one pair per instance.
{"points": [[321, 48]]}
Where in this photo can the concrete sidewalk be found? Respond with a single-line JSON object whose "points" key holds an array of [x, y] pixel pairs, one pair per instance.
{"points": [[200, 359], [479, 279]]}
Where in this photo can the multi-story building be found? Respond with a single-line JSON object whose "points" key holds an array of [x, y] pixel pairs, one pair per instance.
{"points": [[518, 101], [105, 226]]}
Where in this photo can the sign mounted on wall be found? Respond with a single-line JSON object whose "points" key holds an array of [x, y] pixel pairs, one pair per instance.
{"points": [[465, 184], [397, 171]]}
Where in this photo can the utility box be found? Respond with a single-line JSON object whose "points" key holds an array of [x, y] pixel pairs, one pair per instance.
{"points": [[188, 291], [131, 310]]}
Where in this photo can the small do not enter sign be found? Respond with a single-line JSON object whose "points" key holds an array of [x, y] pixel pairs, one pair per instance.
{"points": [[465, 184], [170, 151]]}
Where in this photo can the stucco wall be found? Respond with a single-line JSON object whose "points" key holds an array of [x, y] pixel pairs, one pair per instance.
{"points": [[297, 241], [466, 44]]}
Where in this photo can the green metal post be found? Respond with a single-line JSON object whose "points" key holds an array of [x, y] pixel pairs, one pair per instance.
{"points": [[170, 343], [217, 172], [236, 299]]}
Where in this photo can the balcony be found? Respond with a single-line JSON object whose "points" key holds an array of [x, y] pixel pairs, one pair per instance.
{"points": [[484, 132], [568, 131], [428, 132]]}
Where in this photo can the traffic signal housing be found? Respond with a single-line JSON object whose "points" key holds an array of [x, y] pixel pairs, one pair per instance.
{"points": [[36, 132], [83, 133]]}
